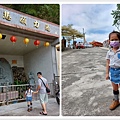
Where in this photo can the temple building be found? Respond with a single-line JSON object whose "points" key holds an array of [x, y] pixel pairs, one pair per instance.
{"points": [[27, 46]]}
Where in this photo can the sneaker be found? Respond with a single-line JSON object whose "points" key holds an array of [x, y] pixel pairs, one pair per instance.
{"points": [[28, 110], [115, 103], [31, 109]]}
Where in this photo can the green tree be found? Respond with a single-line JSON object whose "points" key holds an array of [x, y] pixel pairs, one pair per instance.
{"points": [[70, 32], [116, 17], [49, 12]]}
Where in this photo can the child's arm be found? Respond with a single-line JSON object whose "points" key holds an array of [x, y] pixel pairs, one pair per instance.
{"points": [[107, 69], [25, 94], [34, 92]]}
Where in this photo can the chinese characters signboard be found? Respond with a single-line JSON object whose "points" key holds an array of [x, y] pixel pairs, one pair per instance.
{"points": [[24, 20]]}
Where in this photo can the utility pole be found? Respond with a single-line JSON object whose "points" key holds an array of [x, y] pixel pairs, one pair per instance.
{"points": [[84, 37]]}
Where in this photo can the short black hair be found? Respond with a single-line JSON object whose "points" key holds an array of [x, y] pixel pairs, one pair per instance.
{"points": [[118, 34], [39, 73], [29, 86]]}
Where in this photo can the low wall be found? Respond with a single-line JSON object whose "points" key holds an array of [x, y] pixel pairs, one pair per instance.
{"points": [[11, 95]]}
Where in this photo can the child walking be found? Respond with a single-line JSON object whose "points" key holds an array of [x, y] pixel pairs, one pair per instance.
{"points": [[113, 66], [28, 94]]}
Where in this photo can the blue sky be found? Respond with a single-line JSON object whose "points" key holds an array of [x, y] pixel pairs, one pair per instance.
{"points": [[96, 19]]}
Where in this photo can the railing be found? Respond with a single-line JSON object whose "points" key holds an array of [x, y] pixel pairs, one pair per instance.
{"points": [[16, 93]]}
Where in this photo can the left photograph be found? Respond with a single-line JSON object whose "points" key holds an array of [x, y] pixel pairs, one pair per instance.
{"points": [[29, 60]]}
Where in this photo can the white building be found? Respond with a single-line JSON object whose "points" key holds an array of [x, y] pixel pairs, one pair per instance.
{"points": [[106, 43]]}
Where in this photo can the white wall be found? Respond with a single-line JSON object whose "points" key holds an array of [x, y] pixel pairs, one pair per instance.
{"points": [[9, 58], [40, 60]]}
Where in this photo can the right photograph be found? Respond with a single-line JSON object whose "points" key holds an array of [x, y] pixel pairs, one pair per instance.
{"points": [[90, 59]]}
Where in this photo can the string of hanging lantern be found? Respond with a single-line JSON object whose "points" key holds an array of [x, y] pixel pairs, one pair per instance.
{"points": [[13, 39]]}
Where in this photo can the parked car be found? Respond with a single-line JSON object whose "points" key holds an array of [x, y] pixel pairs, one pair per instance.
{"points": [[81, 46], [88, 46]]}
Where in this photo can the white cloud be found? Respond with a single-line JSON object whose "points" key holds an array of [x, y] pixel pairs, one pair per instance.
{"points": [[96, 19], [97, 37]]}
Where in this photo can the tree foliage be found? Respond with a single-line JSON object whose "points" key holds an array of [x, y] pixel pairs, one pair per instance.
{"points": [[116, 16], [49, 12], [69, 31]]}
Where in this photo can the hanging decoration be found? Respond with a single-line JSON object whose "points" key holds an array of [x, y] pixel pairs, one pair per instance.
{"points": [[26, 41], [13, 39], [46, 44], [0, 36], [36, 43]]}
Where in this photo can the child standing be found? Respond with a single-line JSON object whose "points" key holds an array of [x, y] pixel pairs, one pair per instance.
{"points": [[113, 66], [28, 94]]}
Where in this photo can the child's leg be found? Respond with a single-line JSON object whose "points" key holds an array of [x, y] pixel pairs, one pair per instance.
{"points": [[115, 102], [28, 104], [115, 91]]}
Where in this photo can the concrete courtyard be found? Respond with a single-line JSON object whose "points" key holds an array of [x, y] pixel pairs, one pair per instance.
{"points": [[20, 109], [85, 91]]}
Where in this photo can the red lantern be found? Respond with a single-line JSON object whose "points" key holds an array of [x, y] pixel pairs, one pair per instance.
{"points": [[36, 43], [13, 39]]}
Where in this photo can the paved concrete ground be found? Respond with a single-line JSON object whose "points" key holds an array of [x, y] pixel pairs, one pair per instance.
{"points": [[85, 92], [20, 109]]}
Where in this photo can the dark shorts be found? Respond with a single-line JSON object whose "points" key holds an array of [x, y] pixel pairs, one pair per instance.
{"points": [[115, 75], [28, 99]]}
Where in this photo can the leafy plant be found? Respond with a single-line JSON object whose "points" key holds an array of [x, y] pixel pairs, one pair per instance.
{"points": [[116, 16], [18, 82]]}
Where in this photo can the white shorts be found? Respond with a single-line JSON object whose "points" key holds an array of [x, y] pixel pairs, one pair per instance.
{"points": [[43, 98]]}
